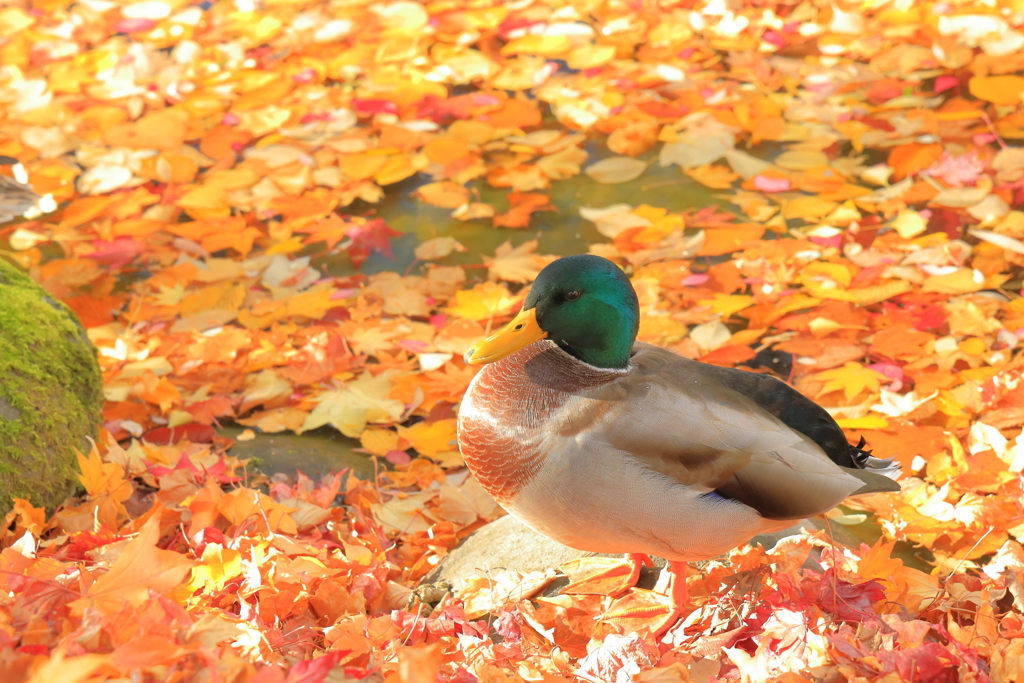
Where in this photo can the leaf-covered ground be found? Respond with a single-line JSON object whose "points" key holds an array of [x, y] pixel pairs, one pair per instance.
{"points": [[198, 161]]}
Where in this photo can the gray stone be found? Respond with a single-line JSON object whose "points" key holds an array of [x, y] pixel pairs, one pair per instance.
{"points": [[507, 543]]}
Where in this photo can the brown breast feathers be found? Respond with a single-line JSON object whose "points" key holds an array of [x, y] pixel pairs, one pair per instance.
{"points": [[504, 414]]}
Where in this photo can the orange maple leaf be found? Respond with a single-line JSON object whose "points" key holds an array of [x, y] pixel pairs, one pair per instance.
{"points": [[522, 206], [908, 159], [106, 485], [140, 568]]}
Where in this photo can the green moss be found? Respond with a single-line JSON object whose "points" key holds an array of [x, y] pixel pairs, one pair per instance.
{"points": [[51, 393]]}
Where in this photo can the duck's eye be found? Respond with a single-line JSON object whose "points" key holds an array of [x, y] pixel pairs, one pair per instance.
{"points": [[572, 295]]}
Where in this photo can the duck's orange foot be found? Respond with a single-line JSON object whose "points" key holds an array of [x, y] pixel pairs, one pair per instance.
{"points": [[609, 576], [644, 609]]}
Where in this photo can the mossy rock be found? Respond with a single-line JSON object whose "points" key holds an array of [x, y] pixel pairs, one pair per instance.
{"points": [[51, 393]]}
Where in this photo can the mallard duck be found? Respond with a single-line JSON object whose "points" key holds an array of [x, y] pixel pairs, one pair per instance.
{"points": [[610, 445]]}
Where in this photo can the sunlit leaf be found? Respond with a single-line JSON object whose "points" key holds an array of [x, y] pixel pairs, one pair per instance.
{"points": [[614, 170], [852, 379], [140, 568], [998, 89]]}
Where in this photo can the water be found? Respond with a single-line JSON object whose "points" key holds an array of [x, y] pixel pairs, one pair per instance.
{"points": [[315, 453], [562, 233]]}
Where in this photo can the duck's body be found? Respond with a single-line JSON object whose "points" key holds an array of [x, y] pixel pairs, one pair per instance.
{"points": [[613, 446], [667, 456]]}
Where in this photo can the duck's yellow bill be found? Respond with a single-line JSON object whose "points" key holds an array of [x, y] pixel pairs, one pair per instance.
{"points": [[522, 331]]}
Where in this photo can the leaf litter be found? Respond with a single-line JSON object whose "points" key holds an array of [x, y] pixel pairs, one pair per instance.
{"points": [[182, 167]]}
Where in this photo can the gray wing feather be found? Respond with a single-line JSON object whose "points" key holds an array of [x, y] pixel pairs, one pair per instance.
{"points": [[708, 436]]}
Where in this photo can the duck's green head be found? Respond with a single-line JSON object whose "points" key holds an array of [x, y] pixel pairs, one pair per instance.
{"points": [[583, 303]]}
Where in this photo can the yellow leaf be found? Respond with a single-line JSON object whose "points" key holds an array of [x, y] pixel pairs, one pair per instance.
{"points": [[974, 347], [379, 441], [218, 566], [57, 667], [289, 246], [588, 56], [467, 503], [809, 209], [14, 20], [1005, 90], [651, 213], [726, 304], [546, 46], [163, 129], [867, 422], [747, 337], [563, 164], [660, 329], [242, 505], [100, 478], [864, 295], [909, 224], [430, 438], [107, 487], [517, 264], [231, 179], [721, 241], [277, 419], [445, 194], [486, 300], [205, 202], [963, 281], [362, 166], [852, 379], [712, 175], [404, 515], [358, 402], [473, 211], [823, 274], [397, 168]]}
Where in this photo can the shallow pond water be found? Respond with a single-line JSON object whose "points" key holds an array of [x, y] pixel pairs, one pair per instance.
{"points": [[315, 453], [564, 232]]}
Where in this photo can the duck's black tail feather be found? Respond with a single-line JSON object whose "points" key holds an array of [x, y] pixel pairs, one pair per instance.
{"points": [[865, 461]]}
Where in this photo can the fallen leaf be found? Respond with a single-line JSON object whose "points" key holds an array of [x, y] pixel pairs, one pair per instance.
{"points": [[853, 379], [614, 170], [522, 206], [142, 567], [517, 264]]}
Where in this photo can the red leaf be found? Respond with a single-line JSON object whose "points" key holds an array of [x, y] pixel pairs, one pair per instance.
{"points": [[375, 106], [852, 602], [926, 663], [118, 253], [374, 235], [134, 25], [196, 433], [315, 670]]}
